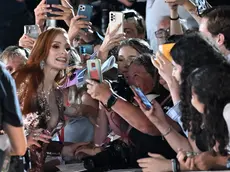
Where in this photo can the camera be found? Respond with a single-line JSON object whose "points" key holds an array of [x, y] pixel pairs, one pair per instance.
{"points": [[117, 155], [121, 88]]}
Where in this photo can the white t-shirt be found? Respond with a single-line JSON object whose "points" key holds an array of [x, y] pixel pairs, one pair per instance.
{"points": [[155, 10]]}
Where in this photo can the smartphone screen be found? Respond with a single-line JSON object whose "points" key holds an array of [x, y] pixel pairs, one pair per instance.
{"points": [[143, 98], [85, 49]]}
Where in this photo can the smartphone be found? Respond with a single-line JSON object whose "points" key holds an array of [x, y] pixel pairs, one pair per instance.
{"points": [[85, 10], [202, 5], [94, 70], [50, 2], [116, 18], [137, 91], [32, 31], [165, 50], [86, 49]]}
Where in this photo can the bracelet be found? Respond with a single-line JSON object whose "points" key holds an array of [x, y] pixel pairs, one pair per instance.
{"points": [[169, 130], [174, 18], [175, 165]]}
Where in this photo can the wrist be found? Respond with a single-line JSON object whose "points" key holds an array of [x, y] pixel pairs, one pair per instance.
{"points": [[104, 99]]}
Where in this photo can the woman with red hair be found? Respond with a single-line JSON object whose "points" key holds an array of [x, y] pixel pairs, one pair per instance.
{"points": [[40, 99]]}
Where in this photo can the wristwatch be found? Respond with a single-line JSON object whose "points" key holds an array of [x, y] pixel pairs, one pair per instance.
{"points": [[111, 101]]}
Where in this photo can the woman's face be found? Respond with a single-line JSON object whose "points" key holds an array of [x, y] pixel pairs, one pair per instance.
{"points": [[177, 71], [196, 103], [125, 56], [58, 57]]}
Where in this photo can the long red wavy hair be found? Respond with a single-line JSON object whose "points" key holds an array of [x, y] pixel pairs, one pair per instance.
{"points": [[40, 52]]}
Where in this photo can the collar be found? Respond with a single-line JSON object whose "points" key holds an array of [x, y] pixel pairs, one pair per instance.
{"points": [[150, 97]]}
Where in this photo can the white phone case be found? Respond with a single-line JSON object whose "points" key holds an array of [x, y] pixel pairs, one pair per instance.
{"points": [[116, 18]]}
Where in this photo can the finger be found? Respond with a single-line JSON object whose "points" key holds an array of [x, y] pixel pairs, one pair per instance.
{"points": [[143, 160], [38, 130], [162, 57], [89, 81], [141, 105], [35, 143], [188, 163], [45, 136], [42, 2], [116, 29], [143, 165], [66, 3], [192, 164], [156, 64], [78, 17], [41, 139], [61, 7], [155, 155], [44, 11], [160, 61]]}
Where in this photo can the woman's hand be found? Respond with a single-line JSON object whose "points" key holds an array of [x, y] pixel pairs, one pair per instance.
{"points": [[111, 40], [76, 27], [99, 91], [205, 161], [38, 135], [40, 13], [175, 2], [155, 163], [155, 114], [165, 69], [69, 151], [66, 12], [186, 163], [27, 42], [87, 150]]}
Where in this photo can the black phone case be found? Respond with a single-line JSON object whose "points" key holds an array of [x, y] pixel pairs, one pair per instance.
{"points": [[50, 2]]}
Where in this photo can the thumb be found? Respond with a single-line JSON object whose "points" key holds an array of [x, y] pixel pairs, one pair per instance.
{"points": [[153, 155]]}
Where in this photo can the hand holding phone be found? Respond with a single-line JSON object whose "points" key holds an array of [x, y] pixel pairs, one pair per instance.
{"points": [[53, 2], [94, 70], [85, 10], [31, 31], [137, 91], [116, 19]]}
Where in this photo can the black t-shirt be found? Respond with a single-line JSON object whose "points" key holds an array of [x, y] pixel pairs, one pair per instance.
{"points": [[9, 105], [145, 143]]}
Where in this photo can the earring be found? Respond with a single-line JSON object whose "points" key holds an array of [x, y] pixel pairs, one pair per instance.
{"points": [[42, 64]]}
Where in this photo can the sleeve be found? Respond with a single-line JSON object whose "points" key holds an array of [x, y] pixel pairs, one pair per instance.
{"points": [[175, 114], [10, 105]]}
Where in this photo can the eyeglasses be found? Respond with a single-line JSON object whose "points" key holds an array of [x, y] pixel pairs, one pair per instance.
{"points": [[162, 33]]}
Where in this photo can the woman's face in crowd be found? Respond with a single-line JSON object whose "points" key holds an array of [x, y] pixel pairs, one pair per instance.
{"points": [[176, 71], [125, 56], [58, 57], [196, 103]]}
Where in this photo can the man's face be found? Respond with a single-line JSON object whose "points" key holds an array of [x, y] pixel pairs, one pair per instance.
{"points": [[15, 63], [130, 29], [139, 77], [163, 31], [203, 28]]}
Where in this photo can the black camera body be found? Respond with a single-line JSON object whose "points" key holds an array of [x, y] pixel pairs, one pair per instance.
{"points": [[121, 88], [117, 155]]}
